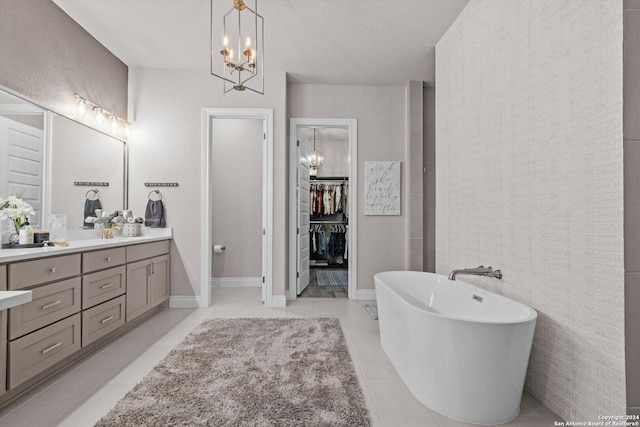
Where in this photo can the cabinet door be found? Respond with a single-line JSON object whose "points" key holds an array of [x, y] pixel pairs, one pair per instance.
{"points": [[159, 280], [138, 289], [3, 333], [3, 350]]}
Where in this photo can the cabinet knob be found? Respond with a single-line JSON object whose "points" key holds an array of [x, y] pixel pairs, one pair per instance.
{"points": [[52, 270], [108, 259]]}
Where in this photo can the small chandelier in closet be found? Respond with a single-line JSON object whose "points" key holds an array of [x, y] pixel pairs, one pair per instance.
{"points": [[238, 53], [315, 157]]}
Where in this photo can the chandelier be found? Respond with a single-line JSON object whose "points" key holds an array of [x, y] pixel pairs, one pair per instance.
{"points": [[238, 54], [315, 157]]}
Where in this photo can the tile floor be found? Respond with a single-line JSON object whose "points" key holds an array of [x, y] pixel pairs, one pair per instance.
{"points": [[315, 291], [83, 393]]}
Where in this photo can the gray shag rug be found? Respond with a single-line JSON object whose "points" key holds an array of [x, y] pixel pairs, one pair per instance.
{"points": [[250, 372]]}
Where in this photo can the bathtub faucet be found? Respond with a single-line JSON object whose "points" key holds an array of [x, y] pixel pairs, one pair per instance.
{"points": [[478, 271]]}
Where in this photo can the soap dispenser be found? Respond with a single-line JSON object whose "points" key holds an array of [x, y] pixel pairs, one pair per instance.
{"points": [[26, 233]]}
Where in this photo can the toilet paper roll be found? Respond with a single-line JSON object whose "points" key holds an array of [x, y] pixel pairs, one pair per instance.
{"points": [[218, 249]]}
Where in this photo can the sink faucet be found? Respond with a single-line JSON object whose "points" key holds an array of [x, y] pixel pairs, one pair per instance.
{"points": [[478, 271], [107, 233]]}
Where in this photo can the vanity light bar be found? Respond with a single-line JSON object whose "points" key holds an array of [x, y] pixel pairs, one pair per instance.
{"points": [[102, 116]]}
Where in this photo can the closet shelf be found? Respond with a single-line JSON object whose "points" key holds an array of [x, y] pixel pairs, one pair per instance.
{"points": [[330, 179]]}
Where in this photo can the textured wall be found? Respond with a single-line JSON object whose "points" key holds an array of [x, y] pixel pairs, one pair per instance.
{"points": [[47, 56], [529, 180], [632, 198]]}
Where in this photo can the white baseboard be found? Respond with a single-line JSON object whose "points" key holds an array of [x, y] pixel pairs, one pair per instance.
{"points": [[236, 282], [184, 302], [279, 301], [366, 294]]}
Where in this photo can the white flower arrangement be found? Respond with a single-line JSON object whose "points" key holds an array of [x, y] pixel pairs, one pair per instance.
{"points": [[15, 209]]}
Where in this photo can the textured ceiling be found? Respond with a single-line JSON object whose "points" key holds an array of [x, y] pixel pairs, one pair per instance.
{"points": [[377, 42]]}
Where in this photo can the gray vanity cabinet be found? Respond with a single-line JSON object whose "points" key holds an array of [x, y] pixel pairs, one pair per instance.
{"points": [[3, 334], [147, 278], [80, 301]]}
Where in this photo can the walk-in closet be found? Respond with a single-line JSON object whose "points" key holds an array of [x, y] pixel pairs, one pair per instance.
{"points": [[328, 198]]}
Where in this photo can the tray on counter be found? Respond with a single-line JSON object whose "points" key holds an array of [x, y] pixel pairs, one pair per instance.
{"points": [[31, 245]]}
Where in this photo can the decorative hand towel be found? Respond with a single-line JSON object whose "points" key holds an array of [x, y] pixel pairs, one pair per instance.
{"points": [[90, 207], [154, 214]]}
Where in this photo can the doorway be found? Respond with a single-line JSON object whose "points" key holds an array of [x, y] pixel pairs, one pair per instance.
{"points": [[323, 207], [256, 124], [237, 197]]}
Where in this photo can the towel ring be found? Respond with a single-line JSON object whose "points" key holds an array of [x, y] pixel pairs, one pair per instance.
{"points": [[95, 192], [157, 192]]}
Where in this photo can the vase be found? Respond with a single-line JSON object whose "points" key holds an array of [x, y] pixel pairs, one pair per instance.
{"points": [[14, 238]]}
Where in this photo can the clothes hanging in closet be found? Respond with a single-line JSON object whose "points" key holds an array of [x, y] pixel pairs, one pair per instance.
{"points": [[328, 199], [335, 246]]}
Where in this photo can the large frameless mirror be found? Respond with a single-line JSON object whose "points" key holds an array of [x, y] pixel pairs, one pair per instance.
{"points": [[57, 164]]}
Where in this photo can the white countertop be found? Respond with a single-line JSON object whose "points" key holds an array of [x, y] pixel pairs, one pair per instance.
{"points": [[85, 242], [10, 299]]}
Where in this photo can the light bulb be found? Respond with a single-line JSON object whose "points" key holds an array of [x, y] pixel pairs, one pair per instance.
{"points": [[82, 107], [225, 41], [99, 115], [114, 124], [127, 130], [248, 42]]}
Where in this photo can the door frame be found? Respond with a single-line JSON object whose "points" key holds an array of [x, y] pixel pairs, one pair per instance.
{"points": [[352, 238], [206, 208], [47, 138]]}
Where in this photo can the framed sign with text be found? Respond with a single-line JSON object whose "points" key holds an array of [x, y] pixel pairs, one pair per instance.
{"points": [[382, 188]]}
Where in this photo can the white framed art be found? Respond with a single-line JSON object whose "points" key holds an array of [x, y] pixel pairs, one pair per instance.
{"points": [[382, 188]]}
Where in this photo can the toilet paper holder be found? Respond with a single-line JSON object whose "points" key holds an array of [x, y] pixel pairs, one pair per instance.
{"points": [[218, 249]]}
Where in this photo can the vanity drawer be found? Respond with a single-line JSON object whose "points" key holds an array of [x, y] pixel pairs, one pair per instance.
{"points": [[102, 319], [30, 273], [99, 260], [49, 304], [147, 250], [102, 286], [33, 353]]}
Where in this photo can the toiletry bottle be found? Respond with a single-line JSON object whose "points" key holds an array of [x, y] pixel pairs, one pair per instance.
{"points": [[26, 233]]}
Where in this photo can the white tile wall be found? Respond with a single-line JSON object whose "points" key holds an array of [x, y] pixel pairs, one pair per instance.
{"points": [[529, 180]]}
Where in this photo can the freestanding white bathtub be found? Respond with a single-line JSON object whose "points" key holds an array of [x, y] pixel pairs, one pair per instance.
{"points": [[461, 350]]}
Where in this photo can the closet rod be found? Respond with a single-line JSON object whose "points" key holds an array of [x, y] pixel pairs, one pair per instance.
{"points": [[329, 178], [328, 222]]}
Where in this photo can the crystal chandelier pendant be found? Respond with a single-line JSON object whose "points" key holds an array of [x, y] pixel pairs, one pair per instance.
{"points": [[316, 159]]}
